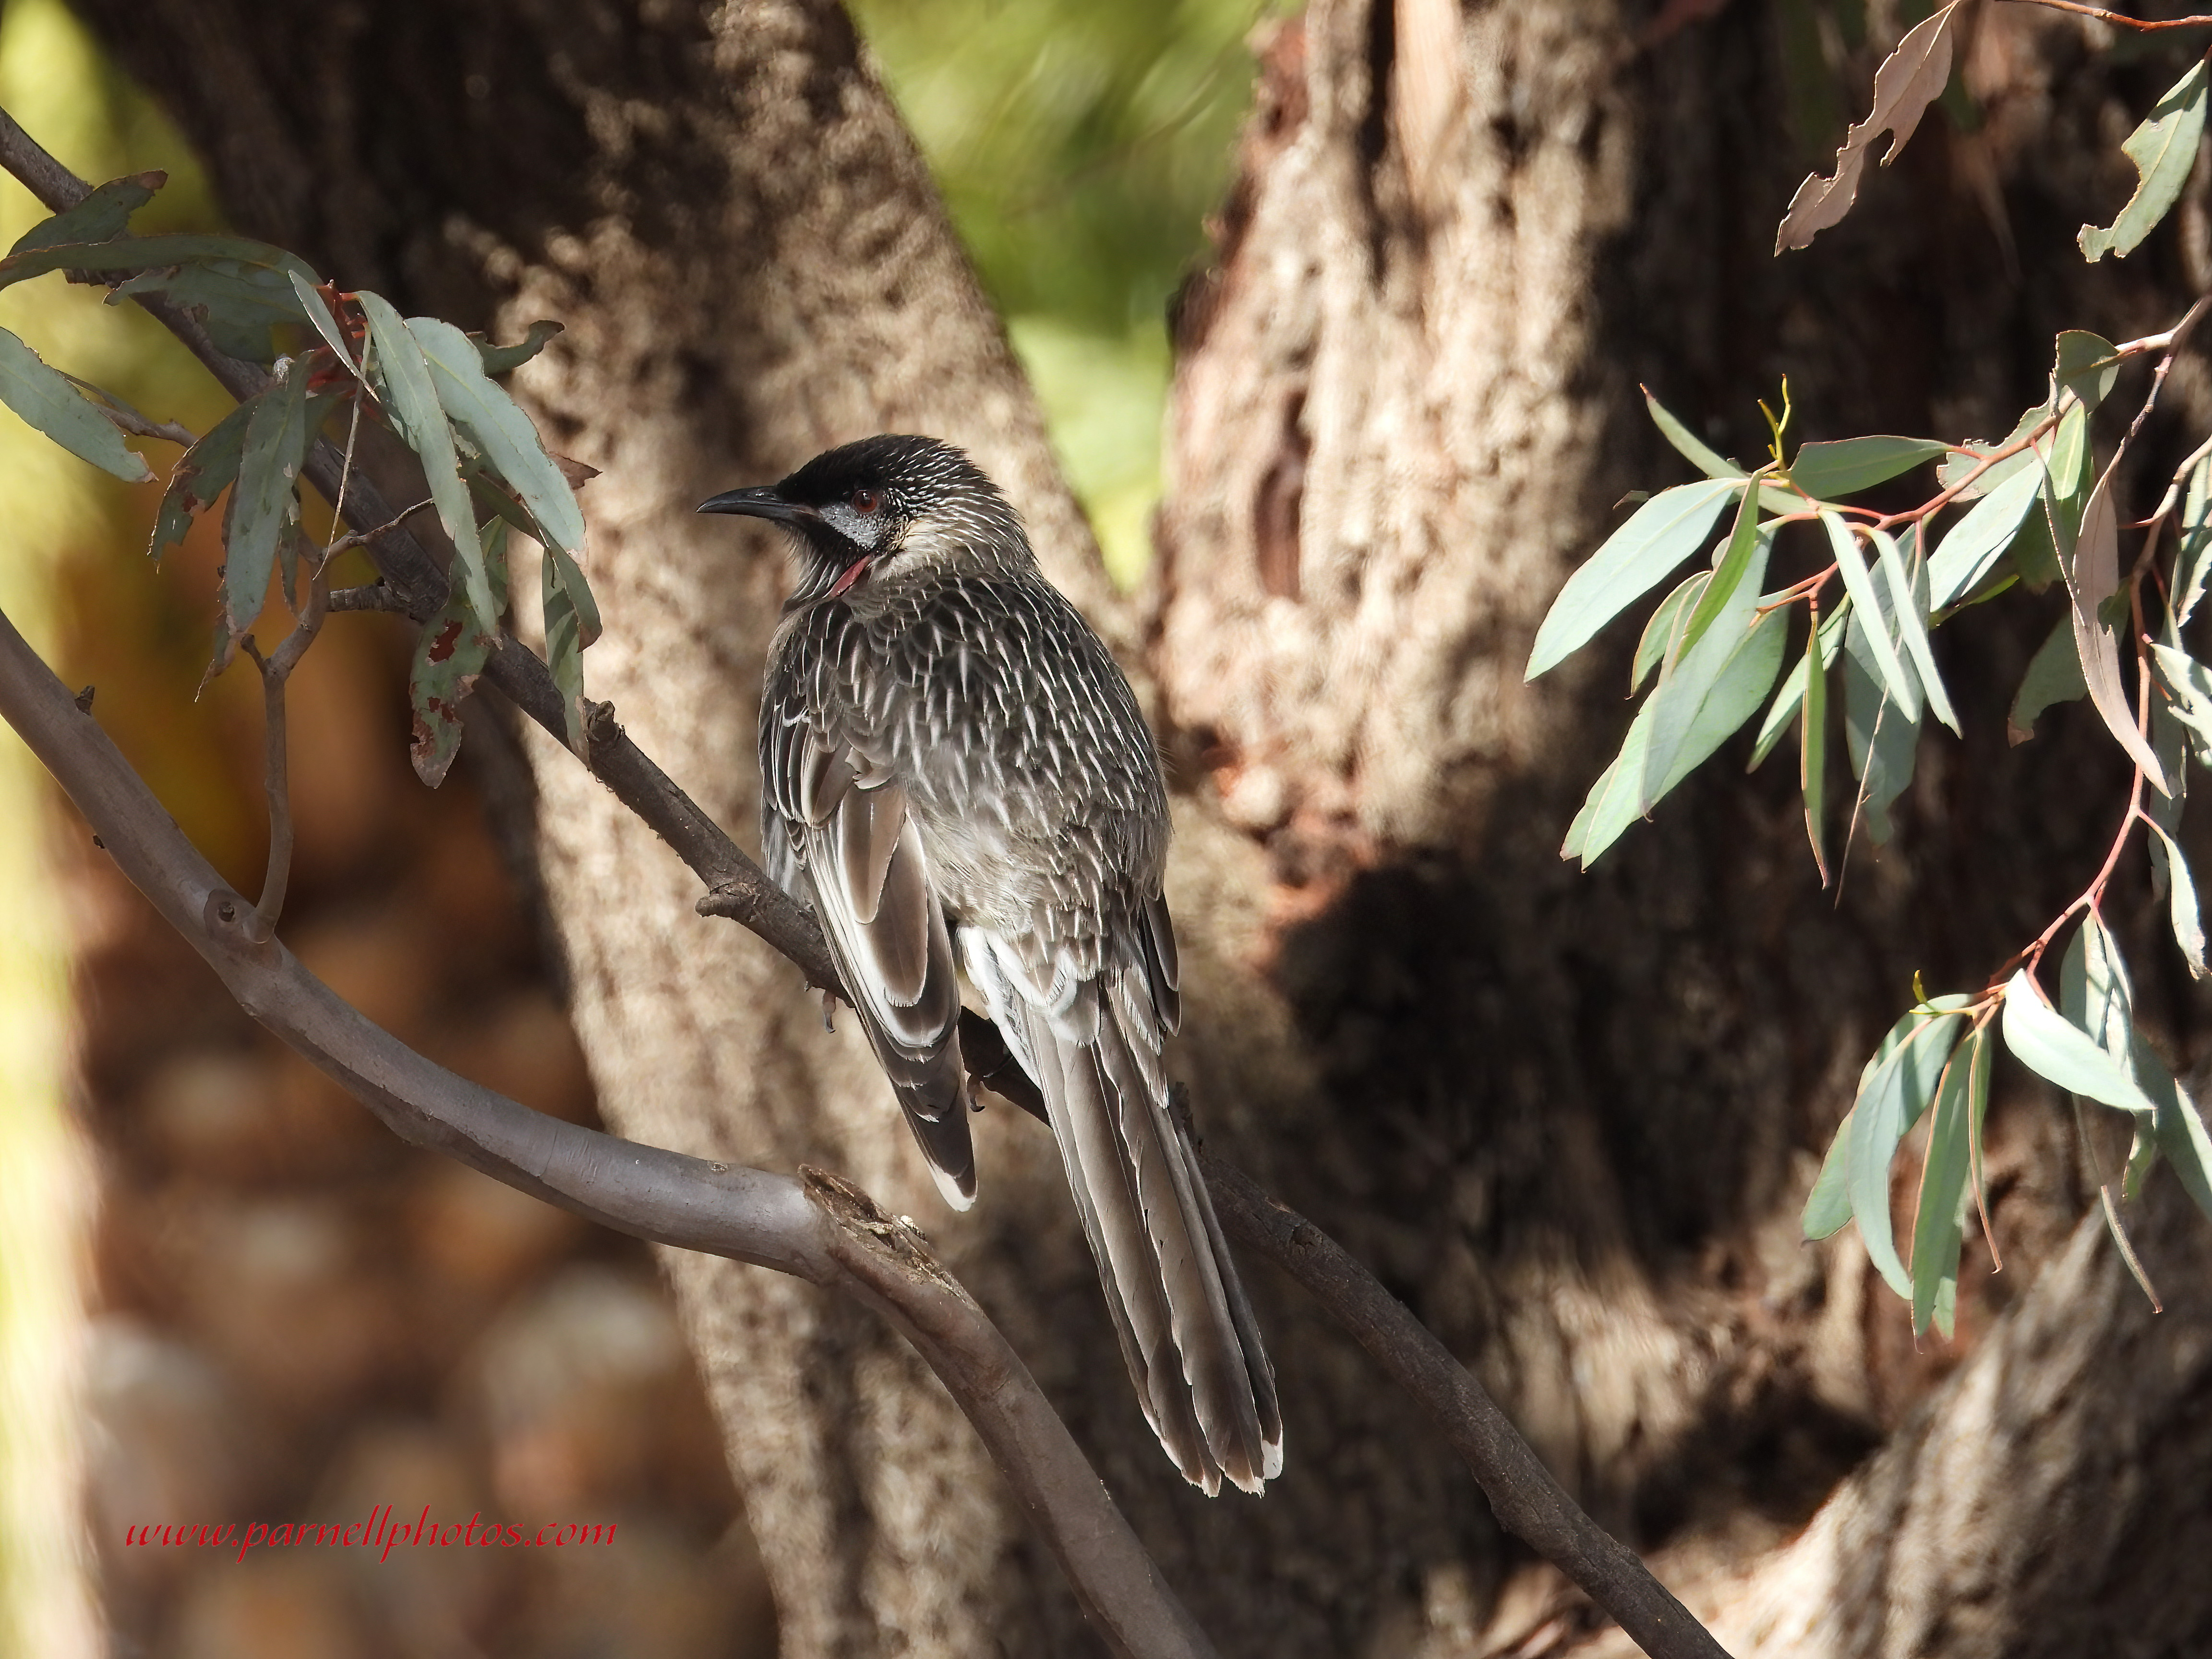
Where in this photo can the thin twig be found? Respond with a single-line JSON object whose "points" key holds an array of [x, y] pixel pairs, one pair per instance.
{"points": [[2119, 20], [276, 669], [363, 538]]}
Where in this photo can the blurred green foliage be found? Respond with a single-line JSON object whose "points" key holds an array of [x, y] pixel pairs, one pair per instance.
{"points": [[1080, 148]]}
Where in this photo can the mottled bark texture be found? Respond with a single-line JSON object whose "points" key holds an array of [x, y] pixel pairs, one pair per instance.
{"points": [[1570, 1118], [1575, 1117]]}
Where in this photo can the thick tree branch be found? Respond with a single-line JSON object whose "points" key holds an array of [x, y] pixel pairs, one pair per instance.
{"points": [[819, 1229], [845, 1243]]}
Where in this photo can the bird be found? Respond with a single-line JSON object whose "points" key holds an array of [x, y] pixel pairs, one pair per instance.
{"points": [[952, 761]]}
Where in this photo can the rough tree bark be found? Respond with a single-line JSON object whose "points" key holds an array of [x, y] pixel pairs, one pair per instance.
{"points": [[1570, 1118]]}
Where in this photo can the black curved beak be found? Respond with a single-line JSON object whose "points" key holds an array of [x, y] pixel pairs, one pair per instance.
{"points": [[760, 501]]}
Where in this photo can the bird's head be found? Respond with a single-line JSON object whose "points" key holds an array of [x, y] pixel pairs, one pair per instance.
{"points": [[887, 503]]}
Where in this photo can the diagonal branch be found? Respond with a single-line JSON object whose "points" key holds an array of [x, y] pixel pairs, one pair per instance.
{"points": [[1528, 1503], [817, 1228], [823, 1231]]}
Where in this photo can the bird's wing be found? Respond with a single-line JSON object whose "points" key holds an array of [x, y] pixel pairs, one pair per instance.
{"points": [[1188, 1333], [852, 845]]}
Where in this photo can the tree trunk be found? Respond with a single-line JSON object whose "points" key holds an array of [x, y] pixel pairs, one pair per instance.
{"points": [[1571, 1119]]}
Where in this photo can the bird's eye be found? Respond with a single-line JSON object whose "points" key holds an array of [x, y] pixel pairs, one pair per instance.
{"points": [[866, 502]]}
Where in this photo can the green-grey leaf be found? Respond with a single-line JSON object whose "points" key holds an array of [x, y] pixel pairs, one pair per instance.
{"points": [[482, 409], [449, 654], [1882, 740], [2054, 676], [203, 472], [2190, 683], [149, 253], [1784, 709], [1938, 1229], [1971, 548], [1662, 634], [1733, 571], [1874, 621], [1774, 497], [2094, 990], [422, 417], [2164, 150], [326, 324], [503, 358], [1662, 534], [1959, 466], [275, 442], [1827, 470], [2192, 559], [2052, 1047], [1813, 751], [1616, 800], [2092, 573], [1899, 1085], [45, 399], [1712, 669], [564, 654], [2088, 365], [101, 215], [2188, 915], [1828, 1206], [2179, 1127], [1909, 594]]}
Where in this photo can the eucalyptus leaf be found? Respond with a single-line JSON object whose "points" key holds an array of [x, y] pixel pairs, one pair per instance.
{"points": [[2192, 558], [320, 314], [1828, 1206], [1732, 694], [276, 441], [2088, 365], [45, 399], [413, 400], [1970, 549], [504, 359], [1937, 1230], [202, 473], [2055, 1048], [2164, 150], [1662, 634], [1784, 709], [1711, 462], [1662, 534], [1874, 622], [2187, 914], [2191, 685], [482, 409], [1828, 471], [1882, 740], [1897, 1086], [1813, 751], [564, 655], [2054, 676], [450, 653], [2093, 573], [1909, 596], [103, 213], [1740, 566], [1962, 461], [1737, 653]]}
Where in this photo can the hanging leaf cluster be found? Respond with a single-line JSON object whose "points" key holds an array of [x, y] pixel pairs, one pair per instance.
{"points": [[2029, 511], [352, 358]]}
